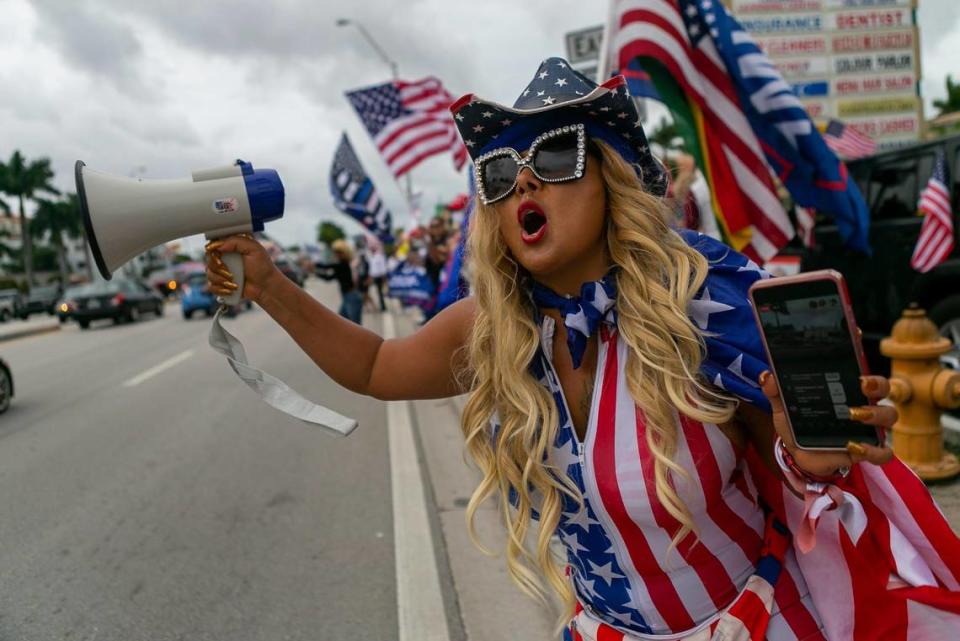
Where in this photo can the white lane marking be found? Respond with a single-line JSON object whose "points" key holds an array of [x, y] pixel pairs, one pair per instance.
{"points": [[420, 612], [156, 369]]}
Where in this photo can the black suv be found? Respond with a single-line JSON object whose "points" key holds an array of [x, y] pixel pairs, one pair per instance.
{"points": [[884, 284]]}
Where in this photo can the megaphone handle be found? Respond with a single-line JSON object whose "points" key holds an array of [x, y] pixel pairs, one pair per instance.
{"points": [[234, 263]]}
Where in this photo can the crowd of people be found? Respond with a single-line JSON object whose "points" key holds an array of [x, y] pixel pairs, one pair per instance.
{"points": [[413, 269]]}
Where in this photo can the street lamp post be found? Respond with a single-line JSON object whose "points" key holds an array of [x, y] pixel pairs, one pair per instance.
{"points": [[394, 72]]}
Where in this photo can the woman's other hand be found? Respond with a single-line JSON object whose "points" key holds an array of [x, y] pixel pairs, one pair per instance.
{"points": [[258, 268], [826, 462]]}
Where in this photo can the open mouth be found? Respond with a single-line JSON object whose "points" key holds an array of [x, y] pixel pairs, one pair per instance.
{"points": [[533, 222]]}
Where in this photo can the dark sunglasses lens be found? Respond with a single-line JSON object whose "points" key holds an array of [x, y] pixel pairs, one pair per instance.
{"points": [[498, 175], [556, 158]]}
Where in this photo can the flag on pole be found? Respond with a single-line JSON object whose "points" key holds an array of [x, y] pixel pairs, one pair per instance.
{"points": [[847, 142], [741, 119], [409, 122], [936, 234], [354, 194]]}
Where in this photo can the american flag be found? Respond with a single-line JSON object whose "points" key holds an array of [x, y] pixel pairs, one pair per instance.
{"points": [[354, 194], [847, 142], [936, 235], [681, 35], [409, 122]]}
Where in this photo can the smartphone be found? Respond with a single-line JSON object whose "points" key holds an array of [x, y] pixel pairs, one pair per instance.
{"points": [[813, 346]]}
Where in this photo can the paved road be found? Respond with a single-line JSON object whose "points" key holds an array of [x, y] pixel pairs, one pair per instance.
{"points": [[179, 506]]}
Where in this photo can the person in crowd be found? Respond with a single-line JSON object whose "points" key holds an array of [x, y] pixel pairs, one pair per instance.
{"points": [[342, 271], [619, 396], [378, 271]]}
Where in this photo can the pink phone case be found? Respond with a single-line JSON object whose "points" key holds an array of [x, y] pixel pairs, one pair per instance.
{"points": [[823, 274]]}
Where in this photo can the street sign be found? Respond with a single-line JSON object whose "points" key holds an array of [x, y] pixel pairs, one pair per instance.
{"points": [[584, 46], [856, 60]]}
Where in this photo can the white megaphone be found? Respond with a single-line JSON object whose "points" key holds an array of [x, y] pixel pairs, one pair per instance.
{"points": [[126, 216]]}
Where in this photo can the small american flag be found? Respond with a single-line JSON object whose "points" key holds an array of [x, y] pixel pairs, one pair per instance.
{"points": [[936, 235], [409, 122], [847, 142]]}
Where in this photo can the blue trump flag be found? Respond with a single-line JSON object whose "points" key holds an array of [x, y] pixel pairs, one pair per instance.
{"points": [[455, 286], [412, 286], [796, 152], [354, 194]]}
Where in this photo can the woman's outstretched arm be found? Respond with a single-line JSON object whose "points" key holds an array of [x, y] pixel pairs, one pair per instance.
{"points": [[426, 364]]}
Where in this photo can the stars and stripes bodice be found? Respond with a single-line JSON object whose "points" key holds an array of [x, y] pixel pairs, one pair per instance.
{"points": [[619, 545]]}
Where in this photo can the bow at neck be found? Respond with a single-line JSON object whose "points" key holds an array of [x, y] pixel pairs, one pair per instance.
{"points": [[581, 314]]}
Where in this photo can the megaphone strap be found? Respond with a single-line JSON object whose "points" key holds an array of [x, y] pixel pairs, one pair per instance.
{"points": [[271, 389]]}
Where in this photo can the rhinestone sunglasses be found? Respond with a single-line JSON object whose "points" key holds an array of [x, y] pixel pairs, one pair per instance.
{"points": [[554, 156]]}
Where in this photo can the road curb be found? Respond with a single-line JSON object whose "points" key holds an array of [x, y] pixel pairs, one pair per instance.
{"points": [[28, 331]]}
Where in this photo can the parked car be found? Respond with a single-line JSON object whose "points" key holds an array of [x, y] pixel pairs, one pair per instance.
{"points": [[290, 270], [11, 302], [6, 386], [196, 297], [882, 285], [122, 300], [41, 300]]}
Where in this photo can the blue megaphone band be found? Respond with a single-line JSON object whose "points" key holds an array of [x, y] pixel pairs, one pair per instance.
{"points": [[264, 193]]}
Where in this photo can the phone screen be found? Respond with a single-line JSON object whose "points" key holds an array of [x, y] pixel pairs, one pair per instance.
{"points": [[814, 357]]}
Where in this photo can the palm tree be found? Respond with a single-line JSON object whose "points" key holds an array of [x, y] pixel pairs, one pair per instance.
{"points": [[23, 180], [60, 219], [952, 102]]}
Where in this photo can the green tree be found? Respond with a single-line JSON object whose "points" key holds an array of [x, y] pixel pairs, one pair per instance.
{"points": [[666, 134], [59, 219], [328, 232], [952, 101], [24, 180]]}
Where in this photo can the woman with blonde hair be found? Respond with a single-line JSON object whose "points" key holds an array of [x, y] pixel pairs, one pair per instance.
{"points": [[619, 399]]}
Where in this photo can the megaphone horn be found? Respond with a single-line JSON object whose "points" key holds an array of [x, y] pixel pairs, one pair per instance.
{"points": [[124, 216]]}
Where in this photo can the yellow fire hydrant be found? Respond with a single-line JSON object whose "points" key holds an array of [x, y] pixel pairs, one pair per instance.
{"points": [[921, 389]]}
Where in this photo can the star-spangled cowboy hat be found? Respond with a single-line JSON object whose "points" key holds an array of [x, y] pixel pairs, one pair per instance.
{"points": [[557, 96]]}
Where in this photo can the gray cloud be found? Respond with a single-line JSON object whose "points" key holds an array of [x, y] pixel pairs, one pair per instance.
{"points": [[92, 40]]}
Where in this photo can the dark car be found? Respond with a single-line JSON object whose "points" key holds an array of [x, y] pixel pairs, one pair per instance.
{"points": [[119, 299], [291, 270], [6, 386], [884, 284], [165, 282], [11, 304], [40, 300]]}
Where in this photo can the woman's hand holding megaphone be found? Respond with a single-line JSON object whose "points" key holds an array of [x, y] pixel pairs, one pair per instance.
{"points": [[258, 268]]}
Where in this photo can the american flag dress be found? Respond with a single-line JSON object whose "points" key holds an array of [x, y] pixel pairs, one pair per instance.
{"points": [[878, 559]]}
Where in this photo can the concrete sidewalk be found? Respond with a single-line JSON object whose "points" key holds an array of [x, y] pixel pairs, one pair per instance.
{"points": [[483, 602], [35, 324]]}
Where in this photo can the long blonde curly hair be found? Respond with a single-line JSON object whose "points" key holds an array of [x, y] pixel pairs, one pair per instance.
{"points": [[658, 276]]}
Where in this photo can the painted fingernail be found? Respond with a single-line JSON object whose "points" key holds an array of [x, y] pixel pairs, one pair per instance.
{"points": [[856, 449], [231, 284], [764, 375], [861, 413], [214, 245], [226, 273], [869, 384]]}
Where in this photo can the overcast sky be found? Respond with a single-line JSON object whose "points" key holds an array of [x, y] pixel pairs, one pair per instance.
{"points": [[161, 88]]}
